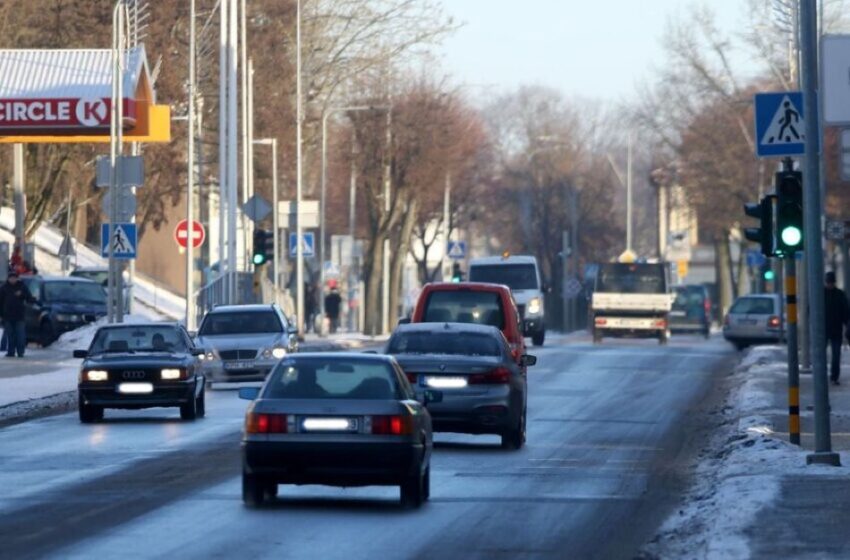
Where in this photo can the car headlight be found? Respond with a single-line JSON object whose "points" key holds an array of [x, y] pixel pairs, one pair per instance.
{"points": [[95, 375], [533, 306], [276, 352], [171, 373], [210, 356]]}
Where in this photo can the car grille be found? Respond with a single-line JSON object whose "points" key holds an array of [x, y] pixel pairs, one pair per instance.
{"points": [[134, 375], [237, 354]]}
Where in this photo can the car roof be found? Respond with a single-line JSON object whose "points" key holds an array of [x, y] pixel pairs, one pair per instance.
{"points": [[449, 327], [90, 269], [342, 356], [137, 324], [59, 279], [466, 286], [512, 259], [250, 308]]}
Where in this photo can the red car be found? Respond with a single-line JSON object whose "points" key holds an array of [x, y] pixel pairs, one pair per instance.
{"points": [[472, 302]]}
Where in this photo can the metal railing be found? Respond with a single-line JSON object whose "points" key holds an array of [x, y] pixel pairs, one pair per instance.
{"points": [[216, 292]]}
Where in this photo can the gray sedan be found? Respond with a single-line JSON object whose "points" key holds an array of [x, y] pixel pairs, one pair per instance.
{"points": [[339, 420], [484, 389], [754, 319]]}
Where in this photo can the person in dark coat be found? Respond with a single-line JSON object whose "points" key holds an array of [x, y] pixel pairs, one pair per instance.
{"points": [[333, 304], [14, 296], [837, 314]]}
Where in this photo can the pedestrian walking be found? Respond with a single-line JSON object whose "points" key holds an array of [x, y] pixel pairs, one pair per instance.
{"points": [[14, 296], [837, 313], [333, 305], [311, 304]]}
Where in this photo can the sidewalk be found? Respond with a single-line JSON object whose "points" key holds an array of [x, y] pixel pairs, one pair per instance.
{"points": [[753, 495]]}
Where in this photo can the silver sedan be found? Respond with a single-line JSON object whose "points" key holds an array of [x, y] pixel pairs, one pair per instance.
{"points": [[336, 419]]}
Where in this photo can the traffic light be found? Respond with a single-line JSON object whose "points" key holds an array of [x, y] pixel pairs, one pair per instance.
{"points": [[789, 213], [769, 275], [763, 235], [263, 247], [457, 273]]}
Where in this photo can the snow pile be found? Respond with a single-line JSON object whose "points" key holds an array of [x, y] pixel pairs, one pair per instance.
{"points": [[739, 473], [80, 339], [48, 240]]}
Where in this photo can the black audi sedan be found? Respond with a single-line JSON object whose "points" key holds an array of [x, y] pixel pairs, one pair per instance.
{"points": [[133, 366]]}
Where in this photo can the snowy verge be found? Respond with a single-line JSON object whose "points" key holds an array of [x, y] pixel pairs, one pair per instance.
{"points": [[739, 472]]}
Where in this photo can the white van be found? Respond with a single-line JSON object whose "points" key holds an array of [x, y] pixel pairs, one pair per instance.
{"points": [[522, 275]]}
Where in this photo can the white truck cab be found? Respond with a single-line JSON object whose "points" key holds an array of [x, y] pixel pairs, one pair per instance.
{"points": [[521, 274]]}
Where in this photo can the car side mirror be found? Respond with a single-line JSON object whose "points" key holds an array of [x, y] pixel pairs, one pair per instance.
{"points": [[403, 321], [81, 354], [192, 334], [528, 360], [249, 393], [198, 351], [432, 396]]}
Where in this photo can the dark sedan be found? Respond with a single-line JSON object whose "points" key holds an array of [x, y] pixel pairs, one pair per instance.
{"points": [[140, 366], [339, 420], [484, 388]]}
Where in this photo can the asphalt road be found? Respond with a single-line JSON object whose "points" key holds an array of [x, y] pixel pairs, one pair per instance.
{"points": [[609, 430]]}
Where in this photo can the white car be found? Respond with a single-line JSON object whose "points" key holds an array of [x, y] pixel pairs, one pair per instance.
{"points": [[754, 319]]}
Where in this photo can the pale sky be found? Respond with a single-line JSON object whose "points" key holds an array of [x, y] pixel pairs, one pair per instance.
{"points": [[591, 48]]}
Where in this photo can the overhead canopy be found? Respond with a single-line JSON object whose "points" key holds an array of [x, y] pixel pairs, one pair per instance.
{"points": [[63, 95]]}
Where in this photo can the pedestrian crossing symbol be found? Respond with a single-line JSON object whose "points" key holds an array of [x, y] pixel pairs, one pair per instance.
{"points": [[308, 245], [123, 240], [780, 124], [457, 250]]}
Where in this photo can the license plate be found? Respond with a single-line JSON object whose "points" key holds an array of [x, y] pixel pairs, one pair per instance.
{"points": [[678, 314], [245, 364], [135, 388], [329, 424], [748, 322], [446, 382]]}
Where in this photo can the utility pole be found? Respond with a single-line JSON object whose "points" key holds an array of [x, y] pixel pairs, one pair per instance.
{"points": [[299, 117], [629, 196], [813, 236], [232, 150], [20, 197], [385, 323], [223, 272], [447, 228], [190, 178]]}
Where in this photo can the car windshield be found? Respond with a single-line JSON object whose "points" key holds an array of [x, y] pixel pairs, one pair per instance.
{"points": [[464, 343], [74, 292], [688, 298], [514, 276], [333, 378], [138, 338], [753, 305], [620, 278], [99, 276], [240, 322], [465, 306]]}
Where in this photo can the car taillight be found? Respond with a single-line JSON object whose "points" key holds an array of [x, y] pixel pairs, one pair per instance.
{"points": [[261, 423], [773, 322], [498, 376], [661, 323], [395, 425], [600, 321], [411, 377], [706, 305]]}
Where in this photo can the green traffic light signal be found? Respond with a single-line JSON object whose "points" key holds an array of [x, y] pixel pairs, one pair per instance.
{"points": [[769, 275], [259, 259], [791, 236], [789, 212], [263, 249]]}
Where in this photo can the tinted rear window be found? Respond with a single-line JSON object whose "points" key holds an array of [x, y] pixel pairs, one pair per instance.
{"points": [[469, 344], [514, 276], [74, 292], [329, 378], [241, 322], [758, 306], [465, 306], [621, 278], [689, 297]]}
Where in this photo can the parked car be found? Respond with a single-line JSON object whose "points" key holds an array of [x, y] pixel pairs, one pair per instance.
{"points": [[62, 304], [484, 389], [336, 419], [244, 342], [521, 274], [754, 319], [134, 366], [100, 274], [472, 302], [691, 310]]}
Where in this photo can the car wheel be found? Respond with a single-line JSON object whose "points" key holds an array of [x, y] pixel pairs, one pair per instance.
{"points": [[426, 484], [664, 338], [707, 333], [515, 438], [270, 491], [597, 337], [538, 338], [201, 404], [253, 490], [189, 411], [47, 334], [90, 413], [413, 490]]}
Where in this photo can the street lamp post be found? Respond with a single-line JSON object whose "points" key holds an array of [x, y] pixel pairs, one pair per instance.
{"points": [[275, 226], [299, 111], [190, 176], [323, 196]]}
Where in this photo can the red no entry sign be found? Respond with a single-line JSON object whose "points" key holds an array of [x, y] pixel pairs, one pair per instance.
{"points": [[181, 234]]}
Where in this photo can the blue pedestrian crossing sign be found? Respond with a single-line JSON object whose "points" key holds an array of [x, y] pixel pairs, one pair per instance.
{"points": [[457, 250], [780, 124], [308, 244], [123, 239]]}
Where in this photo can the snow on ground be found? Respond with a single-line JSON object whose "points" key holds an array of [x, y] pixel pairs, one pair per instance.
{"points": [[156, 301], [739, 472]]}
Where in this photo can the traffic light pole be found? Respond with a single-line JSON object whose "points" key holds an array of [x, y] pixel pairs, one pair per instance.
{"points": [[813, 237], [793, 358]]}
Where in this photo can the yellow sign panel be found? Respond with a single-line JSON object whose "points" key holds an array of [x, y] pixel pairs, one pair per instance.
{"points": [[628, 256], [682, 268]]}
